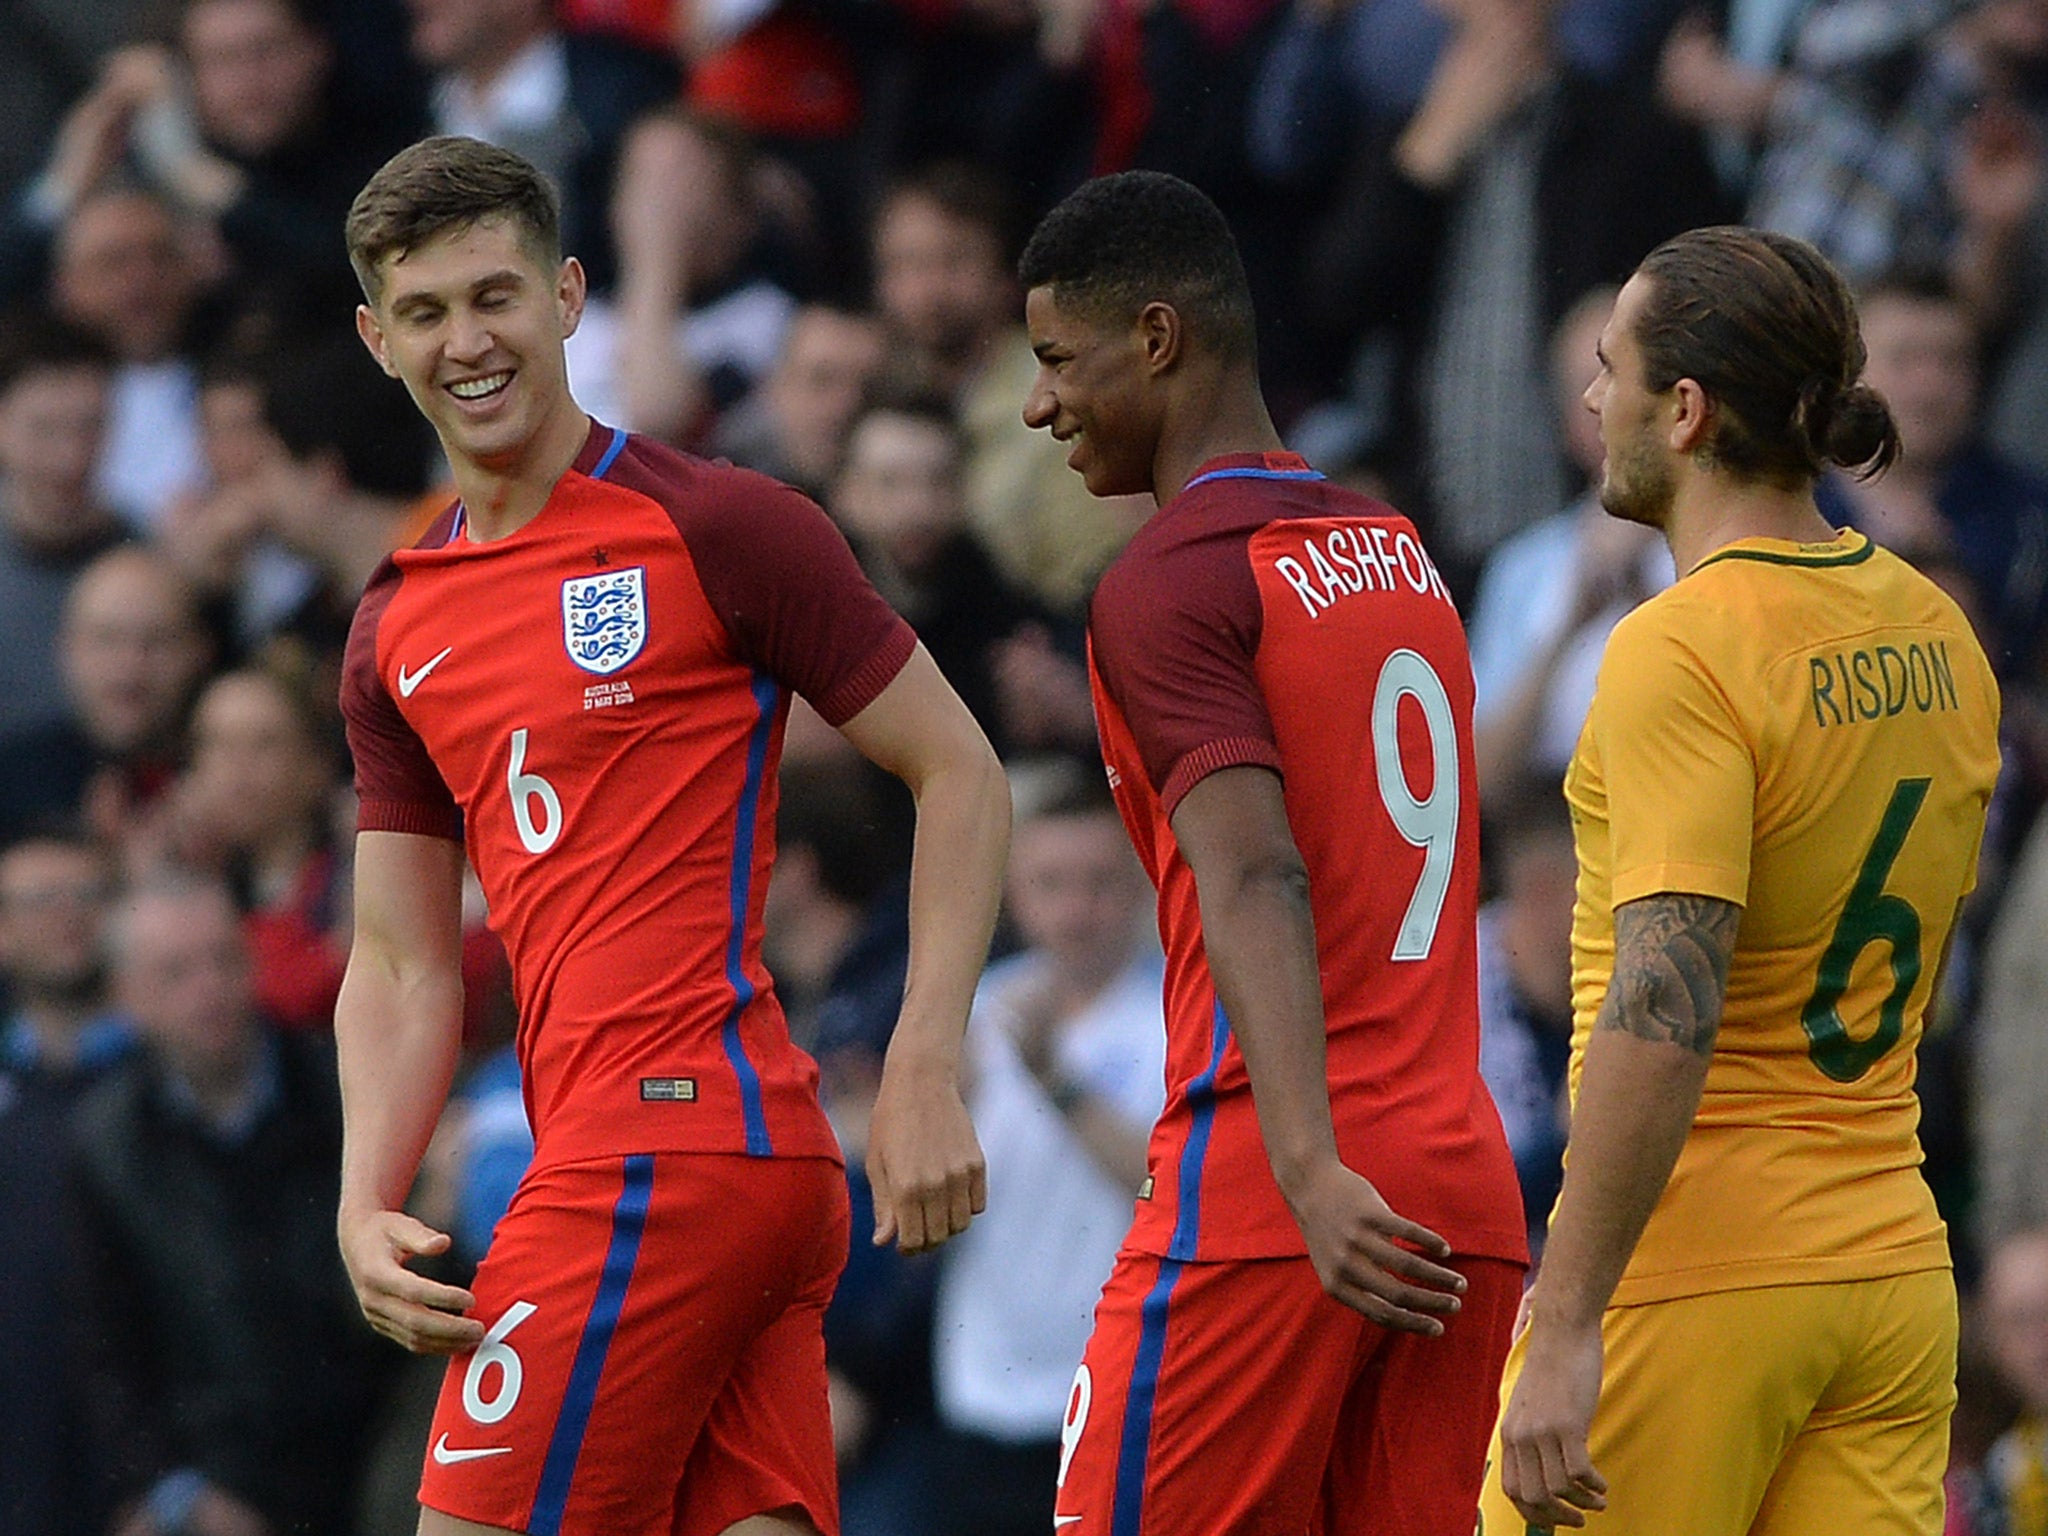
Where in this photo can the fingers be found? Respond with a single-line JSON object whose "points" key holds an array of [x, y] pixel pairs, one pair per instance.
{"points": [[1414, 1233], [1391, 1304], [1550, 1478], [943, 1208]]}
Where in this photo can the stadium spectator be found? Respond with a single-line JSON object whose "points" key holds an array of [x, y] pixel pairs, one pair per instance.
{"points": [[130, 652], [233, 1382], [898, 497], [1519, 182], [1724, 74], [703, 299], [257, 806], [239, 125], [942, 278], [1525, 984], [1066, 1063], [507, 72], [123, 270], [59, 1039], [2010, 1082], [48, 52], [1949, 488], [53, 399], [1999, 259], [793, 424], [2008, 1496], [1549, 596]]}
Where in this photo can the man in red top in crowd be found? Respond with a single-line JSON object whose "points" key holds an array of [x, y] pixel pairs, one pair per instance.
{"points": [[581, 674], [1285, 705]]}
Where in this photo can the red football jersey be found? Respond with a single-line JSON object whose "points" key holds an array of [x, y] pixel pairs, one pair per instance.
{"points": [[595, 706], [1267, 617]]}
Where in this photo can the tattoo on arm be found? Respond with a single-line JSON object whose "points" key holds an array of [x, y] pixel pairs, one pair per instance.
{"points": [[1671, 969]]}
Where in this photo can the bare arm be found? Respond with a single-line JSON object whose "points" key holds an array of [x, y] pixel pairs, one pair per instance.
{"points": [[923, 1159], [1638, 1091], [398, 1028], [1260, 937]]}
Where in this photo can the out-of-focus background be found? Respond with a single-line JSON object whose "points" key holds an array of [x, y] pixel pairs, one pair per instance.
{"points": [[800, 219]]}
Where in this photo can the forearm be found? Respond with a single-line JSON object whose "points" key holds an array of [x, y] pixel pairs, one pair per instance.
{"points": [[398, 1040], [956, 871], [1635, 1108], [1260, 938], [1639, 1088]]}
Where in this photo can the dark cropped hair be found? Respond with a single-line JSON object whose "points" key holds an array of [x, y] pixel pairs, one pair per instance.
{"points": [[443, 184], [1767, 327], [1121, 242], [33, 340]]}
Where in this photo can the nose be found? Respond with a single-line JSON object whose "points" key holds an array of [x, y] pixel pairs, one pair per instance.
{"points": [[1040, 406], [468, 337], [1591, 398]]}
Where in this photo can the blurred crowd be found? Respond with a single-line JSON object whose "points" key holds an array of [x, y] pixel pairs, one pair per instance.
{"points": [[799, 218]]}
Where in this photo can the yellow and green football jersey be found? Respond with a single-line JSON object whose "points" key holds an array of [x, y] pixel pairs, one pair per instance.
{"points": [[1809, 731]]}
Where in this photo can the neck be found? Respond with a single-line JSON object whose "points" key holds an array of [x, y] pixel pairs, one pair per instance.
{"points": [[502, 495], [1711, 511], [1220, 414]]}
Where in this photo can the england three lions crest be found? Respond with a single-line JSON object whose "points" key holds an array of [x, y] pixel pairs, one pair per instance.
{"points": [[604, 618]]}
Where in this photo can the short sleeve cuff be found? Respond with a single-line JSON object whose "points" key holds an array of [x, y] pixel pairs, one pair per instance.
{"points": [[1717, 881], [1231, 752], [410, 816], [856, 692]]}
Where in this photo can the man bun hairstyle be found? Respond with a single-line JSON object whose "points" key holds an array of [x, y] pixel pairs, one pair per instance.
{"points": [[1767, 327], [1121, 242], [443, 184]]}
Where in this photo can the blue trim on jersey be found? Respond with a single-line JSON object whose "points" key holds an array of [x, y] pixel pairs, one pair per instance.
{"points": [[1134, 1453], [611, 454], [629, 1220], [767, 695], [1201, 1094], [1255, 474]]}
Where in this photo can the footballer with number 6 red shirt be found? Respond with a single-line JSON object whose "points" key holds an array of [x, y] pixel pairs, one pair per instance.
{"points": [[1306, 1325], [579, 678]]}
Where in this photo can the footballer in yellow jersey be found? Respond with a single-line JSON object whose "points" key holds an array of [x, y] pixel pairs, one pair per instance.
{"points": [[1745, 1321]]}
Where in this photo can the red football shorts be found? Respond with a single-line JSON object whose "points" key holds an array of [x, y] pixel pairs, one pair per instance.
{"points": [[1237, 1398], [655, 1364]]}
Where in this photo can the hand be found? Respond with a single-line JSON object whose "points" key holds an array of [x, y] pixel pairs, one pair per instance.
{"points": [[1701, 83], [923, 1160], [1497, 59], [421, 1314], [1545, 1468], [1354, 1241]]}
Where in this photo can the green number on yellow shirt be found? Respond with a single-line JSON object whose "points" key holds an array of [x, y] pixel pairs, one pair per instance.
{"points": [[1872, 915]]}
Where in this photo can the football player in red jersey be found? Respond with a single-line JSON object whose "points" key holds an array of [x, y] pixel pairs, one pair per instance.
{"points": [[580, 675], [1285, 704]]}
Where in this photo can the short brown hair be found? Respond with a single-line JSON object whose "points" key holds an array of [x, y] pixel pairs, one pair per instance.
{"points": [[1768, 328], [443, 184]]}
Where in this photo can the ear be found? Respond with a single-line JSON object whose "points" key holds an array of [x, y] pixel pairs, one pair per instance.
{"points": [[572, 287], [1162, 334], [372, 332], [1691, 416]]}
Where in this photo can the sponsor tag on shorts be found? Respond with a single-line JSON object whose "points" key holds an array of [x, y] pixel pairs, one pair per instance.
{"points": [[668, 1090], [1145, 1189]]}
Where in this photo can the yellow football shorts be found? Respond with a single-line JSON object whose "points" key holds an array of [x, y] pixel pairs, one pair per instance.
{"points": [[1802, 1410]]}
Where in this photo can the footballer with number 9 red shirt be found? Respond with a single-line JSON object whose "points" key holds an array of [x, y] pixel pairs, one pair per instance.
{"points": [[1305, 1328], [580, 677]]}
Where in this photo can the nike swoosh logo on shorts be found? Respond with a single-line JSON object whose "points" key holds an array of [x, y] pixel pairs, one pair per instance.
{"points": [[406, 683], [448, 1458], [1060, 1520]]}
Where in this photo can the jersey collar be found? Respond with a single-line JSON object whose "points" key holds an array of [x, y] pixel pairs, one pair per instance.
{"points": [[1847, 547], [1253, 466]]}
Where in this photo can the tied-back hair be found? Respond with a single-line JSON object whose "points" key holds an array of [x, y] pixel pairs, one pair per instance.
{"points": [[1768, 328], [445, 184], [1121, 242]]}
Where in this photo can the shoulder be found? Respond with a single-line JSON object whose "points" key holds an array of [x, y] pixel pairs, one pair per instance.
{"points": [[704, 496]]}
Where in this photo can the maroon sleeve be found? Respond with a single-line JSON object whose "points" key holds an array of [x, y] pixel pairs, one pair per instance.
{"points": [[398, 789], [1175, 632], [782, 580]]}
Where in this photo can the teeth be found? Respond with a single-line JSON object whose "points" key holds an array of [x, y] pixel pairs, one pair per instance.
{"points": [[476, 389]]}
